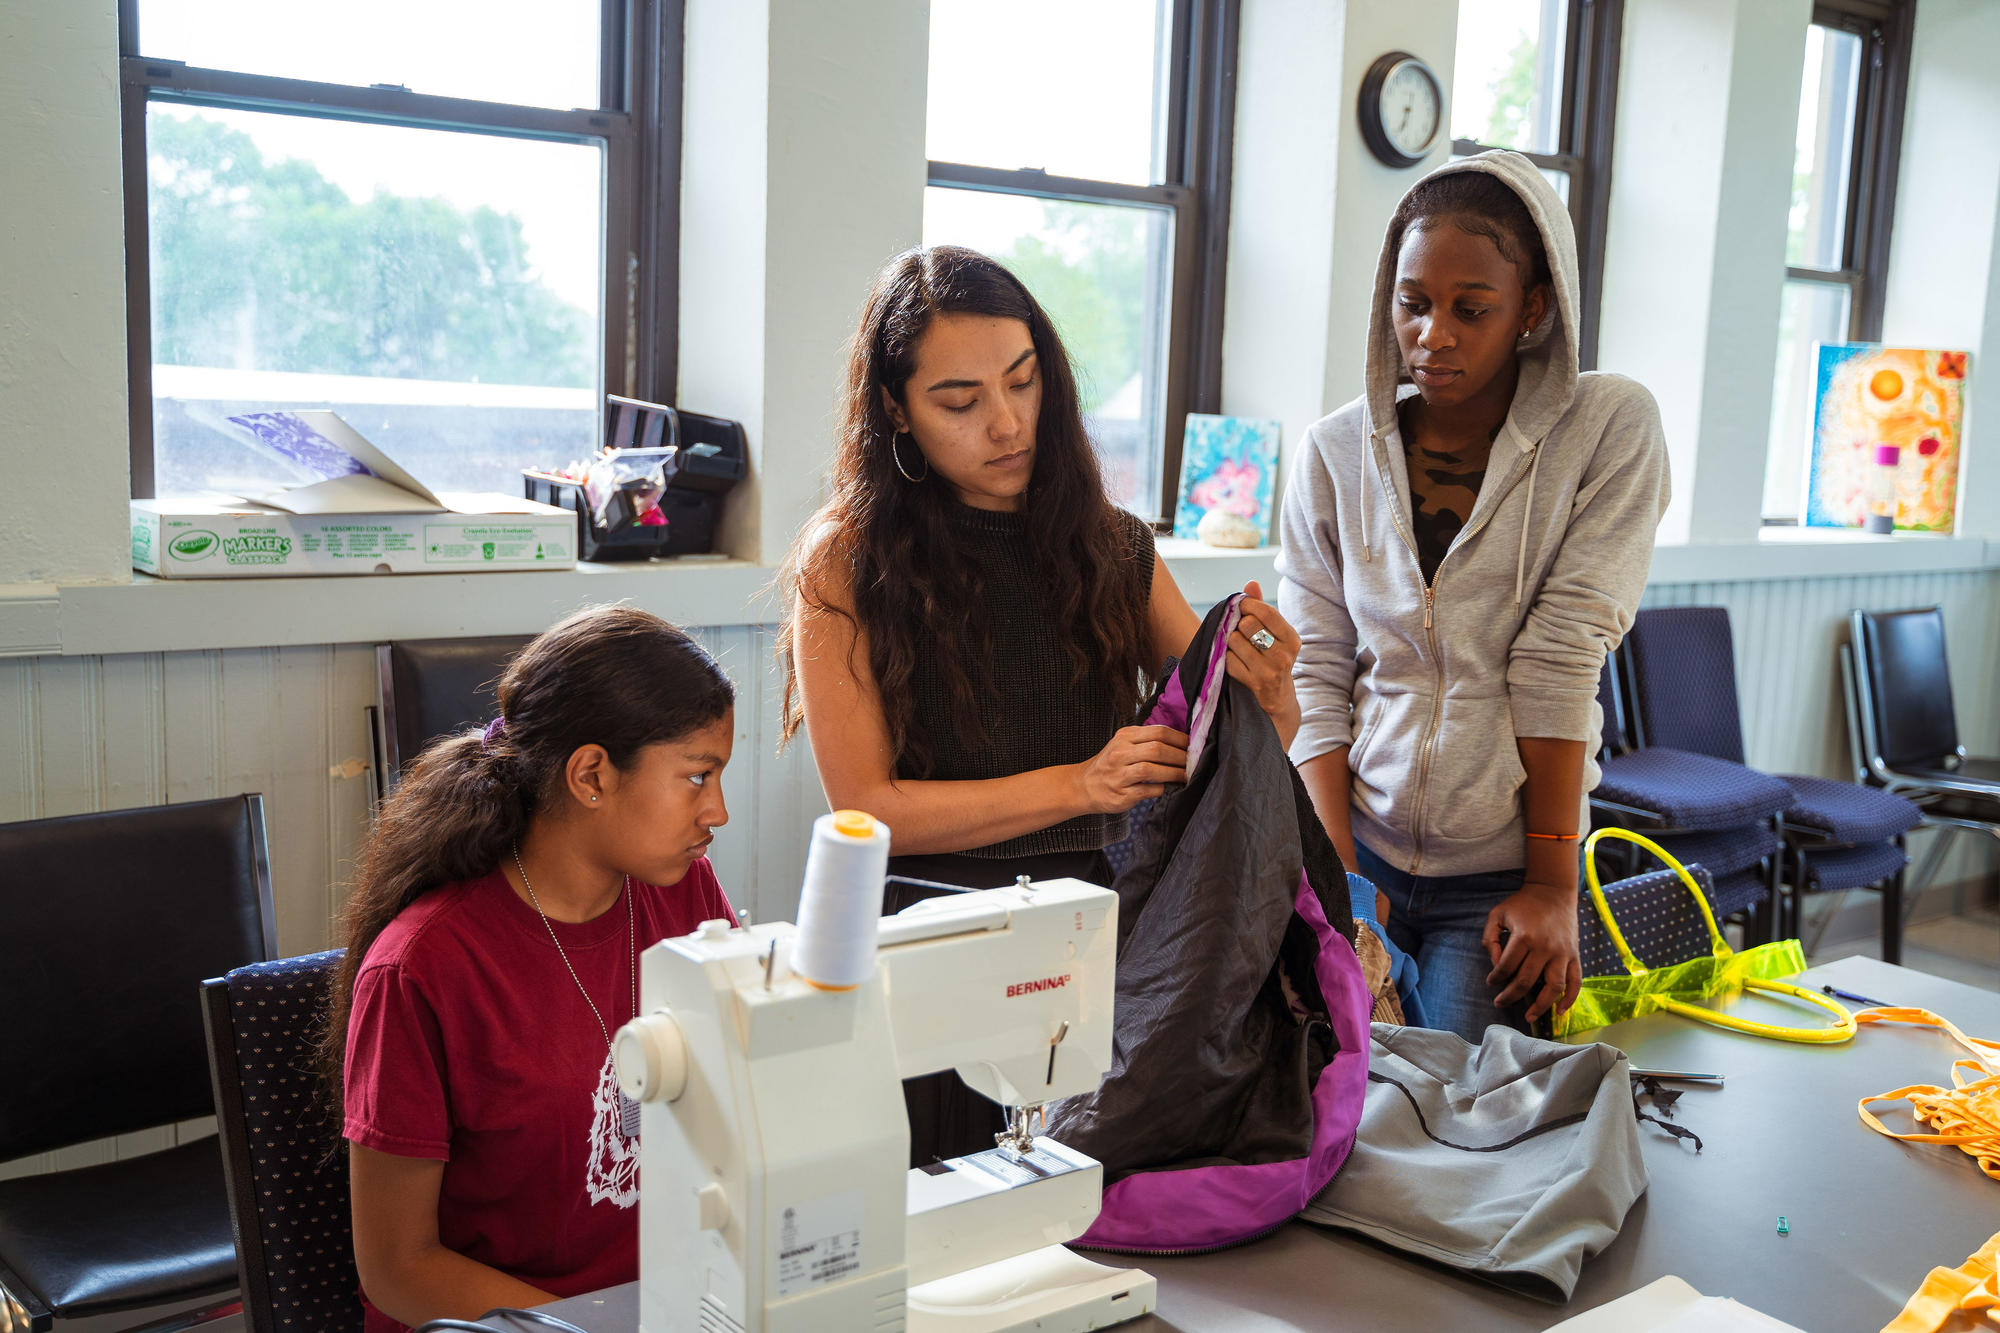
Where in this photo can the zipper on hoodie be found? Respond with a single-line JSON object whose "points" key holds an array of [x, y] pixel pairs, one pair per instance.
{"points": [[1429, 746]]}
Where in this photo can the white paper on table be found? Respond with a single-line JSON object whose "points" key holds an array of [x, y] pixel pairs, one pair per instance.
{"points": [[1670, 1305]]}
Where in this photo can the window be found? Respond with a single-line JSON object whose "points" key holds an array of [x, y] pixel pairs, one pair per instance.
{"points": [[1102, 180], [1541, 77], [1843, 196], [451, 221]]}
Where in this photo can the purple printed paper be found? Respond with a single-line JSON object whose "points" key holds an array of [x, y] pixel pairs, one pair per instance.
{"points": [[288, 436]]}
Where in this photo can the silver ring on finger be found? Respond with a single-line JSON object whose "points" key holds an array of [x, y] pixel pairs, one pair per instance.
{"points": [[1264, 640]]}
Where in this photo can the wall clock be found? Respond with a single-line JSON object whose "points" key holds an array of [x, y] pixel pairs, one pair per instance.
{"points": [[1401, 108]]}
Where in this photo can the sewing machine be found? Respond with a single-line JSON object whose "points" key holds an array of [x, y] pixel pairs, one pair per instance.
{"points": [[773, 1138]]}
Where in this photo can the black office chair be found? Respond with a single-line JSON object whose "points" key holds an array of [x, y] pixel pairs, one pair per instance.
{"points": [[430, 688], [108, 923], [1903, 728], [282, 1154]]}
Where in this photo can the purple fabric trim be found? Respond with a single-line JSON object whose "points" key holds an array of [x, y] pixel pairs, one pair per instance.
{"points": [[1211, 682], [1171, 710], [1208, 1206], [492, 732]]}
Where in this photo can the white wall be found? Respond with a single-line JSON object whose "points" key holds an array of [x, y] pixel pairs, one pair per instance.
{"points": [[803, 169], [1309, 202], [1708, 94], [62, 296]]}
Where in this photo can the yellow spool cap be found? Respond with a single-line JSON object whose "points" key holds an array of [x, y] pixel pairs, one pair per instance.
{"points": [[854, 824]]}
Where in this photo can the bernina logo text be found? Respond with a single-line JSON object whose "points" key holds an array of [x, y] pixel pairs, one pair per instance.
{"points": [[1042, 983]]}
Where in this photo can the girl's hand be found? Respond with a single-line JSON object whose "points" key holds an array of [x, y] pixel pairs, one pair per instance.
{"points": [[1267, 671], [1540, 955], [1139, 764]]}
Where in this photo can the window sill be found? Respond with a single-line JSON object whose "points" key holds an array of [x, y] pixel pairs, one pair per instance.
{"points": [[1802, 553], [147, 615]]}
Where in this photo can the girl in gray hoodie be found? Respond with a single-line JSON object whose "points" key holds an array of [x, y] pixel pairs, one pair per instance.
{"points": [[1462, 545]]}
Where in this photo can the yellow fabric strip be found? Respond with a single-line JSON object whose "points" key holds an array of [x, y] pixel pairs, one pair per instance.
{"points": [[1970, 1288], [1966, 1115]]}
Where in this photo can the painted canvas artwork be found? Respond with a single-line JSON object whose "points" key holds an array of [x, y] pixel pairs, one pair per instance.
{"points": [[1886, 426], [1228, 468]]}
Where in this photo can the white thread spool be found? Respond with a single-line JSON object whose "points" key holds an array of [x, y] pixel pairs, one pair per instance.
{"points": [[840, 908]]}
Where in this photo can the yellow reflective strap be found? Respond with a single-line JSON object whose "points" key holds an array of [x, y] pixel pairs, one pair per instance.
{"points": [[1987, 1053], [1966, 1115], [1969, 1287]]}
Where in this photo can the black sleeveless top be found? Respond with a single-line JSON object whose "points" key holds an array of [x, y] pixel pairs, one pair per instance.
{"points": [[1036, 717]]}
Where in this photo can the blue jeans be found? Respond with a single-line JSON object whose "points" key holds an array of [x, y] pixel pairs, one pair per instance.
{"points": [[1438, 921]]}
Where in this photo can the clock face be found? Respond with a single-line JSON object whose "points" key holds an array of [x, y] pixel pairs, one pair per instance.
{"points": [[1410, 107]]}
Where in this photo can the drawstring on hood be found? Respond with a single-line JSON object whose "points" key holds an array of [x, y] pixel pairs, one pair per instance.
{"points": [[1548, 356]]}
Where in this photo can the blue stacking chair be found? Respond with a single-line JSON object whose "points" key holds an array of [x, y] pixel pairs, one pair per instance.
{"points": [[283, 1161], [1837, 835], [1700, 808]]}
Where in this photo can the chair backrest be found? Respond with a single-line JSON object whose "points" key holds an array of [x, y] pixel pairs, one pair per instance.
{"points": [[1907, 681], [1612, 738], [433, 687], [1657, 917], [108, 922], [1683, 674], [281, 1150]]}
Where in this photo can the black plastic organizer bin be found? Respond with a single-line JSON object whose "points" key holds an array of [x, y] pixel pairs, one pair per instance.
{"points": [[702, 458]]}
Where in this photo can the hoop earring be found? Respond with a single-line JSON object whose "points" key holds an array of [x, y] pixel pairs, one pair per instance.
{"points": [[896, 455]]}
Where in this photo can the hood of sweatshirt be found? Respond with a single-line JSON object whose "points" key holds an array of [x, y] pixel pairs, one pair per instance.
{"points": [[1548, 357]]}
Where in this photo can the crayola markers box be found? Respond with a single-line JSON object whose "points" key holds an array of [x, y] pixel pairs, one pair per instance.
{"points": [[222, 537]]}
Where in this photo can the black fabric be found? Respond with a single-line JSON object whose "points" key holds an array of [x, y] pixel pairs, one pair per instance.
{"points": [[1211, 1062], [948, 1119], [143, 1231], [1908, 674], [434, 687], [108, 923], [1036, 716], [284, 1160]]}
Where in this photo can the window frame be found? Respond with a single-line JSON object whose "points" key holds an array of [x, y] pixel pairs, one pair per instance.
{"points": [[1200, 131], [1592, 38], [641, 48], [1875, 157], [1874, 163]]}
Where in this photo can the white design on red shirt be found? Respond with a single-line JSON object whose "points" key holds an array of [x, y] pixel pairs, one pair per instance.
{"points": [[612, 1173]]}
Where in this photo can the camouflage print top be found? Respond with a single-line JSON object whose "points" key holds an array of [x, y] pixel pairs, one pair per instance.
{"points": [[1443, 485]]}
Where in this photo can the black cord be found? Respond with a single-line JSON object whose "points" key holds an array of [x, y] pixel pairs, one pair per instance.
{"points": [[503, 1312]]}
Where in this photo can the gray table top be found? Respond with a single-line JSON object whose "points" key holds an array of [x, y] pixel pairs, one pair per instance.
{"points": [[1869, 1216]]}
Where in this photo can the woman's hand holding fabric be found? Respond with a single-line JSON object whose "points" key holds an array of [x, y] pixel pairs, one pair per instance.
{"points": [[1539, 956], [1266, 665], [1139, 764]]}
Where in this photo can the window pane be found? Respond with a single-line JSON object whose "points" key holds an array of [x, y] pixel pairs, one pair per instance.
{"points": [[1087, 104], [1825, 155], [1101, 271], [1508, 74], [439, 290], [534, 52], [1811, 312]]}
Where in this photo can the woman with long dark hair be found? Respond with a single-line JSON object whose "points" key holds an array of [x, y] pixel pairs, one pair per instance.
{"points": [[493, 933], [971, 621]]}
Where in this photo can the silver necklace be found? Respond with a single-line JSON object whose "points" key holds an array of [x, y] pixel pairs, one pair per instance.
{"points": [[561, 953]]}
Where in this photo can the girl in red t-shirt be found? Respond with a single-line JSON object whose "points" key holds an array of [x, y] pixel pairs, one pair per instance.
{"points": [[493, 935]]}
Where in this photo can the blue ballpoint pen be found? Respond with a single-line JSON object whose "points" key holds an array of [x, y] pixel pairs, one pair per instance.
{"points": [[1848, 995]]}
